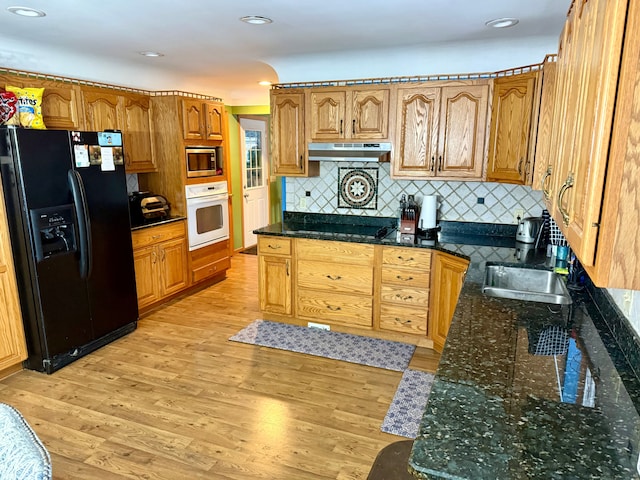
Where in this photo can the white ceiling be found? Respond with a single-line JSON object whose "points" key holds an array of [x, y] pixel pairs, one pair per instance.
{"points": [[207, 49]]}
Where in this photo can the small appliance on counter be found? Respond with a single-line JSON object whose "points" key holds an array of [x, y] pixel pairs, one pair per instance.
{"points": [[528, 229], [147, 207]]}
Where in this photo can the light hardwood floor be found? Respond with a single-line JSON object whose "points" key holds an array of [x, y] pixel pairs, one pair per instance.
{"points": [[176, 400]]}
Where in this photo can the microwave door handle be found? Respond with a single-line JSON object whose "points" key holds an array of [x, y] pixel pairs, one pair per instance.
{"points": [[84, 223]]}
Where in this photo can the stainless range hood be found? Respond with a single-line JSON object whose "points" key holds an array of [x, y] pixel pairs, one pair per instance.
{"points": [[349, 152]]}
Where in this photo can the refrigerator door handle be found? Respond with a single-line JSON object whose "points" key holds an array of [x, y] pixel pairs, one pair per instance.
{"points": [[84, 224]]}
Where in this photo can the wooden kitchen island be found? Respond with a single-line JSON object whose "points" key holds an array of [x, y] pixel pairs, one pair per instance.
{"points": [[324, 269]]}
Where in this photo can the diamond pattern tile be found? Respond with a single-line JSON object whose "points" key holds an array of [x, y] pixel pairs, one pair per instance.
{"points": [[132, 182], [457, 200]]}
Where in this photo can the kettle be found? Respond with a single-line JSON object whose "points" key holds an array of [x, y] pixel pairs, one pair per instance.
{"points": [[528, 229]]}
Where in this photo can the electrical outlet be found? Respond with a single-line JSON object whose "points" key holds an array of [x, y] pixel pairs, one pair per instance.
{"points": [[303, 202], [518, 214], [320, 326]]}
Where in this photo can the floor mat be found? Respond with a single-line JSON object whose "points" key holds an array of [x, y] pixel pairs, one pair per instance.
{"points": [[251, 250], [404, 414], [359, 349]]}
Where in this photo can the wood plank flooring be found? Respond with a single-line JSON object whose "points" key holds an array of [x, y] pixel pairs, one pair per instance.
{"points": [[176, 400]]}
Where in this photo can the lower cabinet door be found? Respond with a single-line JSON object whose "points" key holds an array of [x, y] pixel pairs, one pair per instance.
{"points": [[275, 284], [147, 285], [173, 264]]}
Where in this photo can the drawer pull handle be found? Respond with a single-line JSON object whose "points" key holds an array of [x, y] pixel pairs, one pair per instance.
{"points": [[275, 247], [405, 297], [410, 259], [400, 320], [405, 279], [334, 309], [337, 277]]}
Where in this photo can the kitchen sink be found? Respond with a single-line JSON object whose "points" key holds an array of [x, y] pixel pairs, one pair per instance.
{"points": [[525, 284]]}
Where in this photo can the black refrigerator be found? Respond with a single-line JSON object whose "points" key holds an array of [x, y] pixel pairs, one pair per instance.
{"points": [[68, 210]]}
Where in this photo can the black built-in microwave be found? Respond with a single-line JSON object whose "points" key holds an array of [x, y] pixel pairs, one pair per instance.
{"points": [[204, 161]]}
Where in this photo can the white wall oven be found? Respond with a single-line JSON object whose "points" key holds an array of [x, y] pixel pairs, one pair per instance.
{"points": [[207, 213]]}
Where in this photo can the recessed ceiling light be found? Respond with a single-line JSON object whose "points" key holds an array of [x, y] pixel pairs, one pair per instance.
{"points": [[264, 83], [256, 20], [26, 11], [502, 22], [151, 54]]}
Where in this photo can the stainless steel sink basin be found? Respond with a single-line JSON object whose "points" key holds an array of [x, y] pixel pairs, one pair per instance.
{"points": [[525, 284]]}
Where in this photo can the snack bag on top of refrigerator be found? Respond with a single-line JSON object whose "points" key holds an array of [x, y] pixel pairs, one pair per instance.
{"points": [[29, 107]]}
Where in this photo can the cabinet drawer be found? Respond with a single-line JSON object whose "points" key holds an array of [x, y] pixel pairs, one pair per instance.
{"points": [[152, 235], [210, 269], [415, 258], [337, 308], [274, 245], [335, 277], [329, 251], [403, 319], [404, 296], [405, 277]]}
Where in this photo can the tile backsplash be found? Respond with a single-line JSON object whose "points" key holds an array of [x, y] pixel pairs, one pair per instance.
{"points": [[457, 201], [132, 182]]}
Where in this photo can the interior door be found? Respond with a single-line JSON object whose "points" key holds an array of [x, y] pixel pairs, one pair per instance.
{"points": [[255, 170]]}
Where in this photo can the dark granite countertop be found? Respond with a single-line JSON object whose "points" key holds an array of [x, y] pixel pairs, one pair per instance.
{"points": [[154, 222], [523, 390]]}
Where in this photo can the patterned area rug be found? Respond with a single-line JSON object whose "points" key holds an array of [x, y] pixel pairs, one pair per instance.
{"points": [[369, 351], [404, 414]]}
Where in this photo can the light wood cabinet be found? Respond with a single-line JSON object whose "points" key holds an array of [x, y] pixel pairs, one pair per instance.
{"points": [[13, 349], [595, 200], [137, 131], [275, 275], [160, 261], [209, 262], [511, 113], [404, 290], [440, 131], [288, 147], [348, 113], [202, 120], [103, 110], [61, 103], [334, 282], [447, 277], [130, 113], [543, 166], [62, 108]]}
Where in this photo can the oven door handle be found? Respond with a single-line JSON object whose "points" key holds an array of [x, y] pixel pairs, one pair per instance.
{"points": [[208, 199]]}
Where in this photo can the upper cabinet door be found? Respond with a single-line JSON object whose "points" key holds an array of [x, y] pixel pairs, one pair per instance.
{"points": [[328, 115], [138, 134], [61, 108], [214, 121], [193, 119], [510, 128], [370, 115], [348, 114], [288, 145], [463, 121], [103, 111], [415, 145]]}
